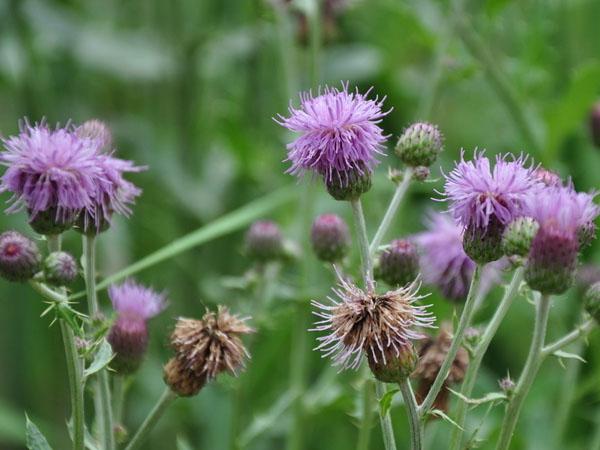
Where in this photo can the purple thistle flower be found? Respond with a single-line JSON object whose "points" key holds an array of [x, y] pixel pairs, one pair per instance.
{"points": [[50, 170], [113, 193], [128, 336], [381, 326], [339, 134], [444, 262], [480, 195]]}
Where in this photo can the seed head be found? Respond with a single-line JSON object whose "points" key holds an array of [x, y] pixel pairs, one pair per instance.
{"points": [[420, 144], [378, 325], [330, 238], [399, 263], [60, 269], [20, 258]]}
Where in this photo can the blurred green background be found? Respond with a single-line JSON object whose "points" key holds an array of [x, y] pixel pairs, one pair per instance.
{"points": [[190, 88]]}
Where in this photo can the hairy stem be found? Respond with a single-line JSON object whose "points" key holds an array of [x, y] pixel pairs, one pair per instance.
{"points": [[102, 401], [391, 211], [532, 365], [463, 323], [478, 354], [165, 400], [75, 384], [416, 430]]}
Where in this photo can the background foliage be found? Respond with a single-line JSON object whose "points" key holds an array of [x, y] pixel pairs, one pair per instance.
{"points": [[190, 87]]}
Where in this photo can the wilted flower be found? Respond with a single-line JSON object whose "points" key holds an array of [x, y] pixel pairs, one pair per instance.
{"points": [[432, 354], [20, 257], [330, 237], [134, 305], [378, 325], [205, 348], [340, 136], [51, 173], [444, 262]]}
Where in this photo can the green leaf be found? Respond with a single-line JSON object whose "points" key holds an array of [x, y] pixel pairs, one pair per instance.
{"points": [[385, 402], [441, 414], [566, 355], [34, 439], [222, 226], [490, 397], [103, 356]]}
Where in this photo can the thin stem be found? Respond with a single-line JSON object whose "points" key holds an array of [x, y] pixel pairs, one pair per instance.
{"points": [[54, 242], [463, 323], [102, 401], [151, 420], [387, 430], [416, 430], [364, 432], [478, 354], [581, 330], [534, 360], [363, 243], [392, 209], [118, 397], [75, 384]]}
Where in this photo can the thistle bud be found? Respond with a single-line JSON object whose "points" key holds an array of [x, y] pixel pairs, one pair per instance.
{"points": [[50, 223], [330, 237], [60, 268], [398, 264], [507, 385], [586, 234], [421, 173], [484, 245], [97, 130], [595, 124], [356, 183], [128, 338], [420, 145], [264, 241], [592, 301], [394, 367], [20, 258], [472, 337], [518, 235], [550, 267]]}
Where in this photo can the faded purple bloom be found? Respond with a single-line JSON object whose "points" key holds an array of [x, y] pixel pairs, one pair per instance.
{"points": [[339, 134], [113, 193], [378, 325], [479, 194], [444, 262], [134, 305], [50, 170]]}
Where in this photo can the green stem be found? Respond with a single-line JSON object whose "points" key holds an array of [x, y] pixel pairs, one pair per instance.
{"points": [[118, 397], [391, 211], [54, 242], [595, 444], [102, 401], [581, 330], [416, 430], [75, 385], [367, 272], [364, 432], [151, 420], [478, 354], [534, 360], [463, 323]]}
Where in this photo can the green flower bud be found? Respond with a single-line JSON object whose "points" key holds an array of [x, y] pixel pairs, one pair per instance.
{"points": [[518, 235], [420, 145], [357, 183], [396, 367]]}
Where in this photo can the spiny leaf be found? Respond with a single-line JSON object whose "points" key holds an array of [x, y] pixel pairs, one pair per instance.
{"points": [[385, 402], [441, 414], [560, 354], [489, 397], [34, 439]]}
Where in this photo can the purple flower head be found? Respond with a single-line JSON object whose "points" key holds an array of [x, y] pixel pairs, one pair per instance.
{"points": [[339, 133], [50, 170], [444, 262], [479, 194], [135, 301], [113, 192]]}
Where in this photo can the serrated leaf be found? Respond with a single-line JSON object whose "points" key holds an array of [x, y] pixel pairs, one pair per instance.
{"points": [[34, 439], [490, 397], [103, 356], [566, 355], [442, 415], [385, 402]]}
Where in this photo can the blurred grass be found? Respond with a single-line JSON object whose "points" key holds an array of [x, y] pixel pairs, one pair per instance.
{"points": [[190, 89]]}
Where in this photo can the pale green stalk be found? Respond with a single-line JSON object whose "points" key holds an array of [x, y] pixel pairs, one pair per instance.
{"points": [[416, 428], [364, 432], [102, 401], [463, 323], [532, 365], [478, 354], [165, 400]]}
